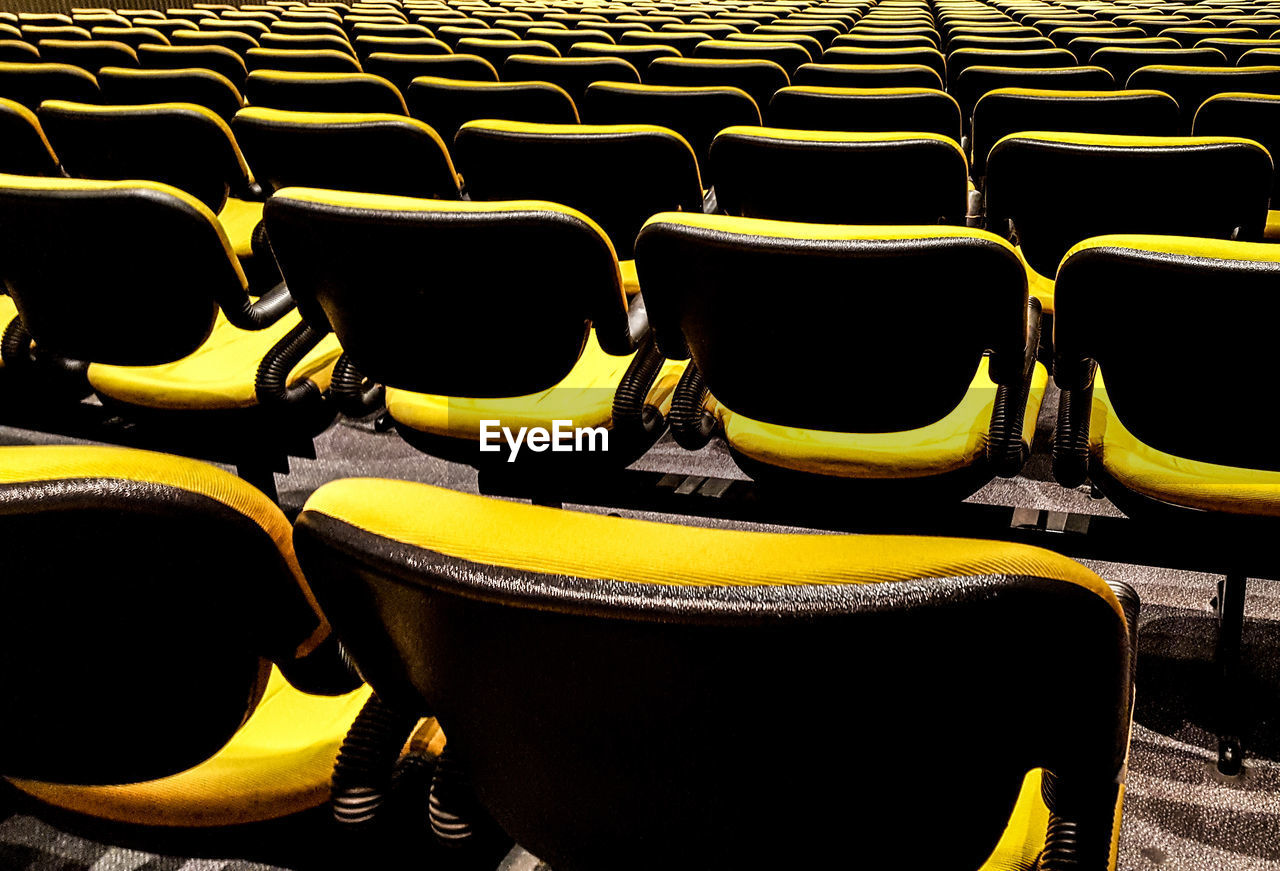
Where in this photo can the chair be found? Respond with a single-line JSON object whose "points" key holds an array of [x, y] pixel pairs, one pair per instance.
{"points": [[1191, 86], [961, 59], [32, 83], [1144, 420], [812, 47], [402, 69], [681, 42], [828, 177], [323, 92], [976, 81], [496, 51], [283, 59], [1122, 62], [211, 369], [178, 144], [238, 42], [297, 42], [868, 110], [639, 56], [1006, 111], [202, 87], [616, 174], [130, 36], [930, 425], [563, 40], [26, 148], [1190, 36], [1234, 49], [1251, 116], [1083, 47], [573, 74], [34, 33], [697, 114], [577, 354], [222, 61], [453, 35], [1056, 189], [929, 57], [223, 697], [1260, 57], [17, 51], [787, 55], [367, 45], [759, 78], [867, 76], [447, 104], [380, 153], [995, 43], [661, 637], [866, 40]]}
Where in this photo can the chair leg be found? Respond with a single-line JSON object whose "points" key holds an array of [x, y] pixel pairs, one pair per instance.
{"points": [[1231, 595]]}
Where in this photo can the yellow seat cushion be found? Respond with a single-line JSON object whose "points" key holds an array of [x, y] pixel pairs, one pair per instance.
{"points": [[585, 396], [1176, 480], [1024, 836], [238, 218], [219, 375], [8, 311], [1037, 285], [1272, 232], [955, 442], [279, 763]]}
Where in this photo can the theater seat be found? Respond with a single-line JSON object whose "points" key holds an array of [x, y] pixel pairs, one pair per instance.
{"points": [[573, 74], [202, 87], [26, 150], [629, 740], [447, 104], [323, 92], [194, 724], [1252, 116], [17, 51], [759, 78], [559, 340], [868, 110], [839, 177], [977, 81], [577, 166], [402, 69], [215, 58], [381, 153], [32, 83], [211, 367], [178, 144], [1191, 85], [1054, 190], [869, 389], [867, 76]]}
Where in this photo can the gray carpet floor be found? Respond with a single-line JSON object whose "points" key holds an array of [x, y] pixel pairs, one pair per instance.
{"points": [[1178, 813]]}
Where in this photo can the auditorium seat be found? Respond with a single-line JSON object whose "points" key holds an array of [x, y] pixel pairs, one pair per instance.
{"points": [[626, 741], [32, 83], [1192, 85], [559, 340], [929, 57], [639, 56], [35, 33], [26, 149], [402, 69], [130, 36], [976, 81], [447, 104], [17, 51], [839, 177], [808, 43], [1122, 61], [211, 366], [577, 166], [367, 152], [453, 35], [199, 725], [867, 76], [323, 92], [297, 42], [1190, 36], [681, 42], [1053, 190], [856, 39], [496, 51], [290, 60], [1260, 57], [697, 114], [922, 110], [996, 43], [563, 40], [1251, 116], [573, 74], [787, 55], [238, 42], [798, 412], [759, 78], [1234, 49], [1000, 113], [202, 87], [1083, 47], [218, 59], [367, 45], [961, 59], [89, 54]]}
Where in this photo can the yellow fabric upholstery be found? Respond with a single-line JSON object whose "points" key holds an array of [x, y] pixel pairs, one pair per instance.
{"points": [[279, 763], [585, 396], [956, 441], [238, 219], [219, 375], [553, 541]]}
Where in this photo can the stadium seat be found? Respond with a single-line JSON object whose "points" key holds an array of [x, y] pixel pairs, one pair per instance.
{"points": [[697, 114], [932, 424], [496, 51], [808, 43], [681, 42], [402, 69], [576, 165], [130, 36], [1234, 49], [32, 83], [1191, 86], [1054, 190], [867, 76], [1122, 61], [17, 51], [178, 144], [447, 104], [88, 54], [759, 78], [929, 57], [1083, 47], [380, 153], [367, 45], [961, 59], [1006, 111], [283, 59], [1190, 36], [995, 43], [298, 42], [202, 87], [240, 43], [660, 645], [36, 33], [866, 40], [211, 368], [573, 74], [563, 40], [204, 728], [787, 55], [878, 110], [26, 149], [218, 59], [560, 341], [1251, 116], [1260, 57], [453, 35], [323, 92], [976, 81], [839, 177], [639, 56]]}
